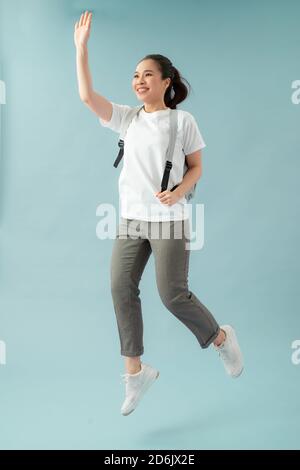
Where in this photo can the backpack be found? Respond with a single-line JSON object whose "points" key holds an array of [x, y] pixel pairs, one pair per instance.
{"points": [[127, 118]]}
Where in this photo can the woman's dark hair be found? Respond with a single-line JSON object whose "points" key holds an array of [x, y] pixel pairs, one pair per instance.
{"points": [[167, 69]]}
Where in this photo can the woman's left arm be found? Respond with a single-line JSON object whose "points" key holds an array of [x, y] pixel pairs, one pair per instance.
{"points": [[193, 173]]}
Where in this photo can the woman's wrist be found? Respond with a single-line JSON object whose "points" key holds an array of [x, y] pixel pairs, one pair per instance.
{"points": [[81, 49], [179, 192]]}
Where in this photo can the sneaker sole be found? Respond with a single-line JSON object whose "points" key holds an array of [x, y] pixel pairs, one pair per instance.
{"points": [[237, 375], [143, 390]]}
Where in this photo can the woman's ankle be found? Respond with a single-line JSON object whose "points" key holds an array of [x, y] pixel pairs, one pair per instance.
{"points": [[133, 365], [220, 339], [135, 370]]}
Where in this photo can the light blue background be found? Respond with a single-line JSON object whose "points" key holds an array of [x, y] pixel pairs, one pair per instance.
{"points": [[60, 388]]}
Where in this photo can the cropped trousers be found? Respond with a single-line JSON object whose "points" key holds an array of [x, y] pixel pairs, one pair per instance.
{"points": [[135, 241]]}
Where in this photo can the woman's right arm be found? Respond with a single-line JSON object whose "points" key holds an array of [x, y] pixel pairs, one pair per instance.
{"points": [[95, 102]]}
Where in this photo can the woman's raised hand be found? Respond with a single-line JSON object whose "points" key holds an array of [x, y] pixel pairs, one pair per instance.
{"points": [[82, 29]]}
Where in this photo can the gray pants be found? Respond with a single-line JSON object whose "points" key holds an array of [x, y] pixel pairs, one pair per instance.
{"points": [[134, 242]]}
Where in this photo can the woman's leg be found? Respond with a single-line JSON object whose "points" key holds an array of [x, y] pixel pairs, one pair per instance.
{"points": [[171, 265], [128, 260]]}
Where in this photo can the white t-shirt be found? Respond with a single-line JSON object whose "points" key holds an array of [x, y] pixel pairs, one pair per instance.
{"points": [[144, 160]]}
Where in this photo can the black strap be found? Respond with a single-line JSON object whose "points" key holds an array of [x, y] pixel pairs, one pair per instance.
{"points": [[120, 154], [165, 179]]}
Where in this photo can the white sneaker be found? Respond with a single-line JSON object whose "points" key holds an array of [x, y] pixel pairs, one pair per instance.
{"points": [[230, 352], [136, 386]]}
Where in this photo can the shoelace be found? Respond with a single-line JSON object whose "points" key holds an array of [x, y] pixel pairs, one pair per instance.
{"points": [[223, 353], [124, 378]]}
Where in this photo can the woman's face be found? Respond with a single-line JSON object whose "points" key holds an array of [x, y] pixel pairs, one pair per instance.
{"points": [[147, 82]]}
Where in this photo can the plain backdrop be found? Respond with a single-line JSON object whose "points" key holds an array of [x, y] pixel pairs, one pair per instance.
{"points": [[60, 387]]}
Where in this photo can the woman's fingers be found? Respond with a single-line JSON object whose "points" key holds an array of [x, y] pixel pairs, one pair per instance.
{"points": [[89, 20], [85, 20], [81, 20]]}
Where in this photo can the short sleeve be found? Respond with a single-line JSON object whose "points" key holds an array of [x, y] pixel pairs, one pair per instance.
{"points": [[118, 111], [192, 137]]}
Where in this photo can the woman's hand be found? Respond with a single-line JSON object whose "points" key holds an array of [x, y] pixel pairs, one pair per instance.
{"points": [[168, 197], [82, 29]]}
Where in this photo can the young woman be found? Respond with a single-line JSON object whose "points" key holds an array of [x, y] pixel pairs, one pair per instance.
{"points": [[146, 211]]}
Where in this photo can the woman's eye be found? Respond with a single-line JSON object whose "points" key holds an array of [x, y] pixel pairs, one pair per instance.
{"points": [[135, 76]]}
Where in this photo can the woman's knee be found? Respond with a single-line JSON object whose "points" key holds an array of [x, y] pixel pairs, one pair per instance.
{"points": [[171, 298], [122, 286]]}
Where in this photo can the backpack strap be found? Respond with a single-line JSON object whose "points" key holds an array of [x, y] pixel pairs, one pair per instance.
{"points": [[173, 117], [127, 118]]}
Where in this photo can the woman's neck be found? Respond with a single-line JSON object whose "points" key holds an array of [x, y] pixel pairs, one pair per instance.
{"points": [[152, 109]]}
